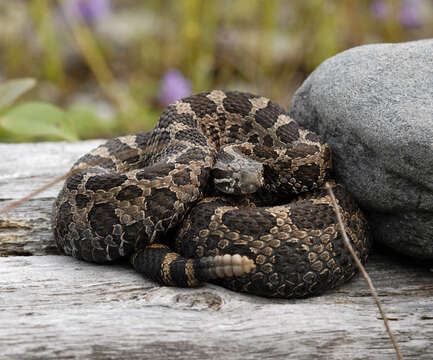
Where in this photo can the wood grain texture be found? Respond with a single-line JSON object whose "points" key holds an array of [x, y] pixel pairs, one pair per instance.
{"points": [[56, 307], [24, 168]]}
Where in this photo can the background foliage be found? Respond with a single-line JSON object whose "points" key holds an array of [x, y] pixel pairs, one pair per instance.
{"points": [[77, 69]]}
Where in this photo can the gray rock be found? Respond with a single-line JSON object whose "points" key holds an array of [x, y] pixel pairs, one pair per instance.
{"points": [[374, 105]]}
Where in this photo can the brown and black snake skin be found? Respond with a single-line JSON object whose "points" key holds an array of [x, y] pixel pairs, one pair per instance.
{"points": [[227, 188]]}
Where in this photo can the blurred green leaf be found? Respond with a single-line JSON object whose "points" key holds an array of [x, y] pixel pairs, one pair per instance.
{"points": [[141, 118], [13, 89], [88, 124], [37, 119]]}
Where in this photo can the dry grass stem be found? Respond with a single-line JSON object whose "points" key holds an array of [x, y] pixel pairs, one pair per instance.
{"points": [[91, 53], [121, 155], [18, 202], [363, 271]]}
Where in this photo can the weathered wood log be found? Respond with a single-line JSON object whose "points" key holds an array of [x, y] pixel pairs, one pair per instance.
{"points": [[26, 230], [56, 307]]}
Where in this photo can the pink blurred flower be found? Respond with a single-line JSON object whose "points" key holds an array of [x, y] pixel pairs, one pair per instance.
{"points": [[379, 9], [89, 10], [411, 13], [174, 86]]}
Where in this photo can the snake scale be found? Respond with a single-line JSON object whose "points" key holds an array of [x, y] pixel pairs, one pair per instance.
{"points": [[227, 188]]}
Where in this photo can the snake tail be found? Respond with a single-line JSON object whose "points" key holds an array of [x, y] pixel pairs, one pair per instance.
{"points": [[159, 263]]}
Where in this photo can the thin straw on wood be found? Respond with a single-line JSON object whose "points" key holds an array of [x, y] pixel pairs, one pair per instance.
{"points": [[363, 271], [96, 162], [18, 202]]}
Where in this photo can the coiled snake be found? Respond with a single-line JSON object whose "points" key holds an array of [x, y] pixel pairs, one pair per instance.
{"points": [[227, 188]]}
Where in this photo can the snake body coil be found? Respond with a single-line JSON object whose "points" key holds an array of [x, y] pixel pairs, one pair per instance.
{"points": [[227, 188]]}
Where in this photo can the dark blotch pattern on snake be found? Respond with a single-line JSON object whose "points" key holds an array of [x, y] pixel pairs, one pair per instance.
{"points": [[227, 188]]}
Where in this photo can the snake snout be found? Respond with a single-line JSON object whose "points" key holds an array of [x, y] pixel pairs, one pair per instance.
{"points": [[238, 181], [250, 182], [236, 173]]}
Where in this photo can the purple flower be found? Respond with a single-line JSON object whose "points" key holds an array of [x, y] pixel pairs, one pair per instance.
{"points": [[89, 10], [411, 13], [174, 86], [379, 9]]}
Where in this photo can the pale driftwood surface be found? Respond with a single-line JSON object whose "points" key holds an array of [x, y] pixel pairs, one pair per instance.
{"points": [[56, 307], [23, 169]]}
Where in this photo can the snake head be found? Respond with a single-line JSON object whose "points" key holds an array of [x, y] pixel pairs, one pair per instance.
{"points": [[236, 174]]}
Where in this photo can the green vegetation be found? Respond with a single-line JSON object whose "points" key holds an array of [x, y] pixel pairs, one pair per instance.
{"points": [[98, 68]]}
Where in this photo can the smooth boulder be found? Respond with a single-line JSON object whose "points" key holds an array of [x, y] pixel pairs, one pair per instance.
{"points": [[373, 104]]}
